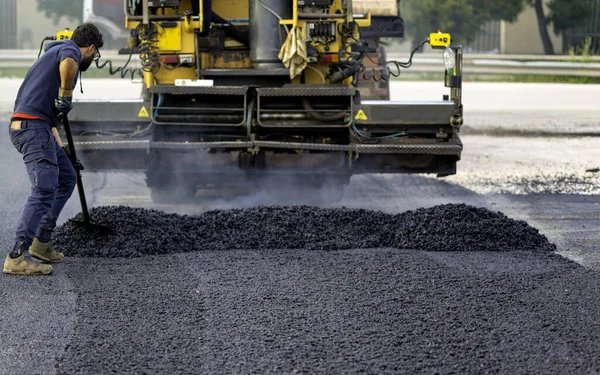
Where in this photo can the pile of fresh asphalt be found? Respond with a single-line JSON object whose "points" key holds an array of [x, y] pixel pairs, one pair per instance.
{"points": [[450, 227]]}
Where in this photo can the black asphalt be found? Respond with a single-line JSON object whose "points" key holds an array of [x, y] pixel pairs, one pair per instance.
{"points": [[449, 227], [373, 311], [323, 312]]}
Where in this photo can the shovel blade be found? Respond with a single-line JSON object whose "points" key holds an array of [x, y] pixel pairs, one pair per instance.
{"points": [[91, 226]]}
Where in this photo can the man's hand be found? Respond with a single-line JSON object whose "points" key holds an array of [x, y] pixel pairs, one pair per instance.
{"points": [[57, 137], [63, 105]]}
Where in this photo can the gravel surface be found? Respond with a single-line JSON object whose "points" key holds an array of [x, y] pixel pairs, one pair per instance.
{"points": [[450, 227], [529, 165], [369, 311], [359, 311]]}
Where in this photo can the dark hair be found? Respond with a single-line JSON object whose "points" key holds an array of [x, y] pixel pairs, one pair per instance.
{"points": [[86, 35]]}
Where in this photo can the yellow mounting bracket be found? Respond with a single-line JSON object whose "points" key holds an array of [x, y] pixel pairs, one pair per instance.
{"points": [[294, 20], [364, 22], [190, 24]]}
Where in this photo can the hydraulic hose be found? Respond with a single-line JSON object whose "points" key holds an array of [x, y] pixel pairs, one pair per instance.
{"points": [[388, 70], [42, 44], [322, 116], [123, 70]]}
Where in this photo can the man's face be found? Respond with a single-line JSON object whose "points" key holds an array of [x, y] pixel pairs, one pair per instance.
{"points": [[90, 54]]}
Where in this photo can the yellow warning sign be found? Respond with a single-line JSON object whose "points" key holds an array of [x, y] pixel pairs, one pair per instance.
{"points": [[361, 115], [143, 112]]}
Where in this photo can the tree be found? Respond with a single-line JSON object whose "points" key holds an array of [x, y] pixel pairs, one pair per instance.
{"points": [[55, 9], [542, 23], [566, 15], [462, 18]]}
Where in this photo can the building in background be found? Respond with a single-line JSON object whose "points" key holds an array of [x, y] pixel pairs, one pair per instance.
{"points": [[519, 37], [523, 36], [23, 26], [8, 24]]}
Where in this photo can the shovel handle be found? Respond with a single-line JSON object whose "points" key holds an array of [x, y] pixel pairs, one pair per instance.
{"points": [[80, 190]]}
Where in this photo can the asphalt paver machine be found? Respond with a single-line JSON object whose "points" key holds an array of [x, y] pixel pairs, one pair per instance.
{"points": [[237, 90]]}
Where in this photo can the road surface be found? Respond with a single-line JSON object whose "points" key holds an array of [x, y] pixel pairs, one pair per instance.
{"points": [[355, 311]]}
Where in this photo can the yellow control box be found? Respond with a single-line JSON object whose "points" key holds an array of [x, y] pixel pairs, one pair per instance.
{"points": [[64, 34], [440, 40]]}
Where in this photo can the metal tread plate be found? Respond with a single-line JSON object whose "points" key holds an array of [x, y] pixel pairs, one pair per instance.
{"points": [[415, 149], [448, 150], [112, 145], [199, 90], [146, 144], [199, 145], [306, 90]]}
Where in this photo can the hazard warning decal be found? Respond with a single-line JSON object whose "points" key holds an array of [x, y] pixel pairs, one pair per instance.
{"points": [[143, 112], [360, 115]]}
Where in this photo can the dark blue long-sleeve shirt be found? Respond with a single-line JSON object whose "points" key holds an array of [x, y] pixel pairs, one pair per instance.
{"points": [[40, 87]]}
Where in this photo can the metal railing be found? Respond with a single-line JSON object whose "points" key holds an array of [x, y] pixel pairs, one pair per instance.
{"points": [[507, 64], [422, 63]]}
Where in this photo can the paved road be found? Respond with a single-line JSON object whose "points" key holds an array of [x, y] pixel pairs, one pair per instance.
{"points": [[357, 311]]}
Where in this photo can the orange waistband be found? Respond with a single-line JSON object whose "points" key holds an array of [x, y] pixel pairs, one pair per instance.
{"points": [[24, 116]]}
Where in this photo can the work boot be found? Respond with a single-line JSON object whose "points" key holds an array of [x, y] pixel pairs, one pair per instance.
{"points": [[45, 252], [25, 266]]}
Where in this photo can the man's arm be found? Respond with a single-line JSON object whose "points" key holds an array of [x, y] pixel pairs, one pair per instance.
{"points": [[68, 71]]}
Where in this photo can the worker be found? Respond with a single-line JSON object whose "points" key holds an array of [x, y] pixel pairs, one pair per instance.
{"points": [[45, 96]]}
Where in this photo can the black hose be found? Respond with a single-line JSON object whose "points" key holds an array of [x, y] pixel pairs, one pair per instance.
{"points": [[42, 44], [322, 116], [232, 31], [122, 69], [386, 71]]}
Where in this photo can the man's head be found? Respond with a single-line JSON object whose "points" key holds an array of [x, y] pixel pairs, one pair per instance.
{"points": [[89, 40]]}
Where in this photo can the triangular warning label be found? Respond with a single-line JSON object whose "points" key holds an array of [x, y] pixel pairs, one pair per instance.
{"points": [[360, 115], [143, 112]]}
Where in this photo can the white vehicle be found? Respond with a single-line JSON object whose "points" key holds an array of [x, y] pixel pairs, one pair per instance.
{"points": [[109, 17]]}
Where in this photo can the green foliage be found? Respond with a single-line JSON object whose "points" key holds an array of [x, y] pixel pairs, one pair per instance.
{"points": [[55, 9], [462, 18], [577, 19], [570, 14], [584, 50]]}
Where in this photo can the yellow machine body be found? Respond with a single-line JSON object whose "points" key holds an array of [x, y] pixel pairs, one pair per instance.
{"points": [[179, 39], [245, 88], [64, 34]]}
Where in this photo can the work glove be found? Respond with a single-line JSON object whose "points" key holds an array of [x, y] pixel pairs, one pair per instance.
{"points": [[76, 163], [63, 105]]}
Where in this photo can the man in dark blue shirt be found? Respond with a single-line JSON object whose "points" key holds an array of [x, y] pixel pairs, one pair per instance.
{"points": [[44, 97]]}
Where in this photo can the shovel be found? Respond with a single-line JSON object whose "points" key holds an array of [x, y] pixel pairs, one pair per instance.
{"points": [[87, 223]]}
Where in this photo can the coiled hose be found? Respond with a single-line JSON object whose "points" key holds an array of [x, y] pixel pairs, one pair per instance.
{"points": [[148, 54], [149, 49]]}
